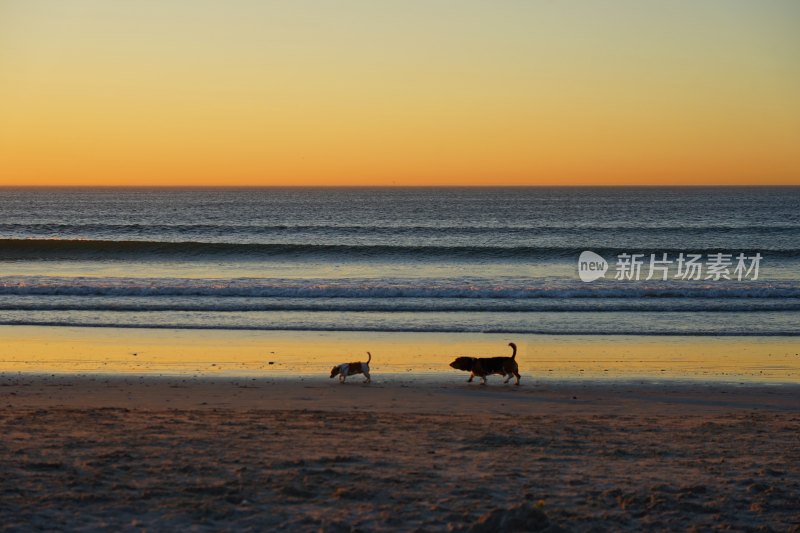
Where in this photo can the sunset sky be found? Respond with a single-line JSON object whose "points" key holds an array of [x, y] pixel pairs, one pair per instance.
{"points": [[100, 92]]}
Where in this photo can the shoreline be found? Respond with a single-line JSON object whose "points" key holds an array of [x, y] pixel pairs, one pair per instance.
{"points": [[42, 349], [412, 331]]}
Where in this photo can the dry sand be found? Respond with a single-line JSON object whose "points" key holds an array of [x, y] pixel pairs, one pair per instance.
{"points": [[172, 454]]}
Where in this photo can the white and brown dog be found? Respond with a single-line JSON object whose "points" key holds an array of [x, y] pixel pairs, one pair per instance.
{"points": [[350, 369]]}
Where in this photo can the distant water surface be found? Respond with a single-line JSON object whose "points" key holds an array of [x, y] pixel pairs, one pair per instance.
{"points": [[406, 259]]}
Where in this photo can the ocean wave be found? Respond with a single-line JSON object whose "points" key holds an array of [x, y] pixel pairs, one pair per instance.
{"points": [[416, 305], [388, 289], [228, 228], [712, 332], [18, 249]]}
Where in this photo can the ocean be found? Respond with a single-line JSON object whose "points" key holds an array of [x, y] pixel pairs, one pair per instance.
{"points": [[477, 260]]}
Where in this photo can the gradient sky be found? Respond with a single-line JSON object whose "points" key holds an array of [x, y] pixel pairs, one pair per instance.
{"points": [[160, 92]]}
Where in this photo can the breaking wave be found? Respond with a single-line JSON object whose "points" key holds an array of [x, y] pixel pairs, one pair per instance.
{"points": [[18, 249]]}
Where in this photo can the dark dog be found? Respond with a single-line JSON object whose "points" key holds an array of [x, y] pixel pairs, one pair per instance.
{"points": [[349, 369], [485, 366]]}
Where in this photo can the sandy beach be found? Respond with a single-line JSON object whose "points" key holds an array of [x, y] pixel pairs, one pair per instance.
{"points": [[211, 213], [434, 454]]}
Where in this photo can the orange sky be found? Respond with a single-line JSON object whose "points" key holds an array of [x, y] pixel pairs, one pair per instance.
{"points": [[407, 93]]}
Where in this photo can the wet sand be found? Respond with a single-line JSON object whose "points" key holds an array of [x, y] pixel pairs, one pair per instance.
{"points": [[404, 453], [135, 352]]}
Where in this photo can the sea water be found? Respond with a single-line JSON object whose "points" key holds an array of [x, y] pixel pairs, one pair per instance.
{"points": [[476, 260]]}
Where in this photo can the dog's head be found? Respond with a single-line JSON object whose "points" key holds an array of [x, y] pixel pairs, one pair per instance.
{"points": [[335, 371], [463, 363]]}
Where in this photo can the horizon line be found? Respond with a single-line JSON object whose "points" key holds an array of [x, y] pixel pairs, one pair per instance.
{"points": [[584, 186]]}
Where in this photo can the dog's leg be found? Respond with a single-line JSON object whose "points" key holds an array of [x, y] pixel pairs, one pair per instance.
{"points": [[342, 377], [516, 373], [483, 380], [369, 379], [471, 375], [508, 378]]}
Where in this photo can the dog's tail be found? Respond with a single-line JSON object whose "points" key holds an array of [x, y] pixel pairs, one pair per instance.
{"points": [[370, 357], [514, 347]]}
